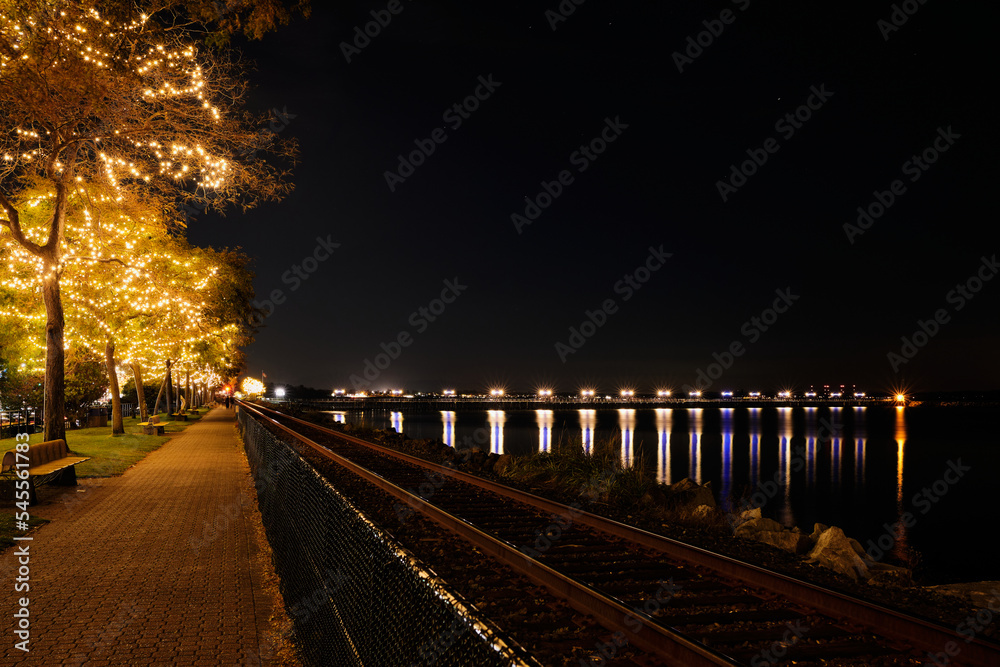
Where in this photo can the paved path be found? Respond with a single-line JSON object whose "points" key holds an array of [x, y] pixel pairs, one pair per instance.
{"points": [[164, 565]]}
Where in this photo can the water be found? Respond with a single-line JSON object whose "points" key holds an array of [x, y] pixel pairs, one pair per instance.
{"points": [[893, 478]]}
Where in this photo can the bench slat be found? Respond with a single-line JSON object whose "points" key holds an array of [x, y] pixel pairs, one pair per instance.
{"points": [[59, 464]]}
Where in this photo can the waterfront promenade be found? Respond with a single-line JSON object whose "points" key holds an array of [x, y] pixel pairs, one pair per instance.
{"points": [[165, 565]]}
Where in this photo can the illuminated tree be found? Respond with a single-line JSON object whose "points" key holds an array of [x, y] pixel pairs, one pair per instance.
{"points": [[136, 302], [128, 102]]}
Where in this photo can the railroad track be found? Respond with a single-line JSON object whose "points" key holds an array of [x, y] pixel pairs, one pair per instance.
{"points": [[686, 605]]}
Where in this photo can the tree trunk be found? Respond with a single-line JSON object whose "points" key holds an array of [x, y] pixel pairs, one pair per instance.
{"points": [[140, 392], [190, 393], [117, 423], [55, 360], [170, 401], [159, 395]]}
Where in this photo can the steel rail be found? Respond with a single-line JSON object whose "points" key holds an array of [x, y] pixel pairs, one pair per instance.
{"points": [[670, 645], [918, 632]]}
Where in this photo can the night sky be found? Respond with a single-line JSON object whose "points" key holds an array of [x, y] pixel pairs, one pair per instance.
{"points": [[833, 104]]}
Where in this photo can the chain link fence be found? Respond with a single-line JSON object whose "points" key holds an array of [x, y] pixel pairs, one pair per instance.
{"points": [[355, 596]]}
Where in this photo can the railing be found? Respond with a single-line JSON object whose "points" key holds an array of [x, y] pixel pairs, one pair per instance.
{"points": [[356, 597], [25, 420]]}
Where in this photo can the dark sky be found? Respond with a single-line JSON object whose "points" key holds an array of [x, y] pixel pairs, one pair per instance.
{"points": [[676, 136]]}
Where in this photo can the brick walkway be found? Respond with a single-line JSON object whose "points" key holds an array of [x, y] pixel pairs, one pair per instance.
{"points": [[162, 566]]}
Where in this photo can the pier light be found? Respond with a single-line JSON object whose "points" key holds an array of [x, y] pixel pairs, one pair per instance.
{"points": [[449, 392], [754, 394], [810, 394], [396, 392], [694, 394], [727, 394], [496, 392], [587, 393], [663, 393], [627, 393], [784, 394], [544, 392], [900, 398], [338, 392], [280, 392], [836, 394], [859, 394]]}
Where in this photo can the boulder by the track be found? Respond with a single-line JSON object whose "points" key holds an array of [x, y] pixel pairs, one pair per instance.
{"points": [[702, 512], [818, 529], [753, 526], [834, 550], [691, 494], [683, 485], [795, 543], [860, 550], [737, 519], [503, 460]]}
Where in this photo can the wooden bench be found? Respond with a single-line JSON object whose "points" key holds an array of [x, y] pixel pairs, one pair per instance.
{"points": [[180, 417], [46, 462]]}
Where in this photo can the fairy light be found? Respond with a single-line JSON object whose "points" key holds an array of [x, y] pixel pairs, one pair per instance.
{"points": [[167, 76], [151, 298]]}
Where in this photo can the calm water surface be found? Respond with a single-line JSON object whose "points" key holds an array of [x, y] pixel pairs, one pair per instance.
{"points": [[869, 470]]}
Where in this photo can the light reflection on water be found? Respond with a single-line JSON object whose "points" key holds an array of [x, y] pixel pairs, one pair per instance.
{"points": [[448, 421], [588, 424], [854, 467], [695, 451], [664, 425], [626, 420], [901, 548], [680, 441], [545, 419], [497, 419]]}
